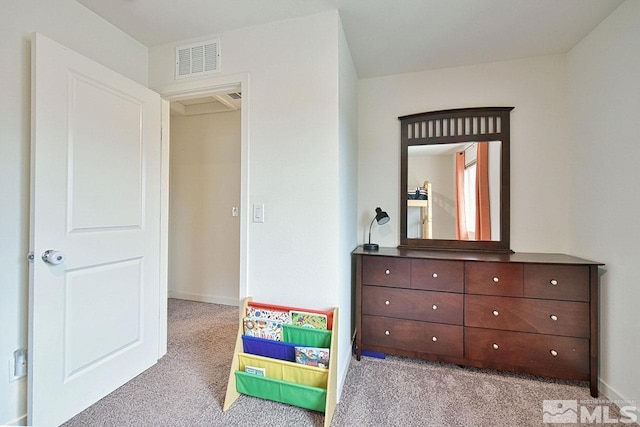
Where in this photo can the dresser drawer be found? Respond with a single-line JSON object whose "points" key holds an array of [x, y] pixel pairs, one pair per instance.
{"points": [[386, 271], [548, 355], [437, 275], [566, 318], [552, 281], [493, 278], [439, 307], [411, 335]]}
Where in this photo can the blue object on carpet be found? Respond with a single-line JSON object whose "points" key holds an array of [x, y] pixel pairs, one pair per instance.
{"points": [[369, 353], [373, 354]]}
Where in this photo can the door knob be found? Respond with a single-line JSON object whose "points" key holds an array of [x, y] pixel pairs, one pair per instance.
{"points": [[53, 257]]}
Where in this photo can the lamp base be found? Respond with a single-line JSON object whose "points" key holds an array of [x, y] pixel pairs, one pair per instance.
{"points": [[370, 247]]}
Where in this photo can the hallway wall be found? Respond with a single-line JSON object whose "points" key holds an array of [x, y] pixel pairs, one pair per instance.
{"points": [[204, 238]]}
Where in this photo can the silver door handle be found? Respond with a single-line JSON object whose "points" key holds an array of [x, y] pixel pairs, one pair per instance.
{"points": [[53, 257]]}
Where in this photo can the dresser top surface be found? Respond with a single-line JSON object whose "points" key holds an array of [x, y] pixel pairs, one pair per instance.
{"points": [[523, 257]]}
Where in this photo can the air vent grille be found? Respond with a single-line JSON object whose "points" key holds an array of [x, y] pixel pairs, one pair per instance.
{"points": [[198, 59], [235, 95]]}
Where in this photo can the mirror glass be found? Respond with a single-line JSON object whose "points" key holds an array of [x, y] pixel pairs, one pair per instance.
{"points": [[432, 211], [454, 180]]}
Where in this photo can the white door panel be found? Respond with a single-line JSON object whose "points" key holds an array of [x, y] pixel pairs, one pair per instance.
{"points": [[110, 196], [96, 158]]}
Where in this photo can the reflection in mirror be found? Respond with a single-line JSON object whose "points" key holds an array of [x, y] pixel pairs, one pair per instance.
{"points": [[451, 204], [454, 180]]}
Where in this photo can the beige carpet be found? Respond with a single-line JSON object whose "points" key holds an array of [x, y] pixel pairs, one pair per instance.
{"points": [[188, 385]]}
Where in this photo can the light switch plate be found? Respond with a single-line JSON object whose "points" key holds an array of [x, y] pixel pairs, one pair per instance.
{"points": [[258, 212]]}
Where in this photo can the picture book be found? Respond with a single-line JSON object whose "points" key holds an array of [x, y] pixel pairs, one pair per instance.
{"points": [[263, 328], [313, 356], [308, 320], [260, 372], [269, 314]]}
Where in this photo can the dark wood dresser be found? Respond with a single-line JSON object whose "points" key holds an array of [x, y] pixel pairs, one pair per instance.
{"points": [[524, 312]]}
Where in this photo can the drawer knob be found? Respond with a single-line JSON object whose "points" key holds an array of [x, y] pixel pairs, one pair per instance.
{"points": [[553, 353], [495, 346], [434, 339], [387, 302], [554, 282], [495, 312], [386, 332], [387, 272], [554, 317], [435, 307], [434, 275], [496, 280]]}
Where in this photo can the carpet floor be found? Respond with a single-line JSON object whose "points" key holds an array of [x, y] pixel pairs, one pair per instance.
{"points": [[187, 388]]}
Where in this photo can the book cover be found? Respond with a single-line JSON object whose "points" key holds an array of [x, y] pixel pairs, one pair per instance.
{"points": [[308, 320], [269, 314], [313, 356], [263, 328], [260, 372]]}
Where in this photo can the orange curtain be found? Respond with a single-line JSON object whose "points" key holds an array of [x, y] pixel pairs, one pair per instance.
{"points": [[461, 224], [483, 212]]}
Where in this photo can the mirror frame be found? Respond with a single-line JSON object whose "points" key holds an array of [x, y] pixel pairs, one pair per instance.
{"points": [[455, 126]]}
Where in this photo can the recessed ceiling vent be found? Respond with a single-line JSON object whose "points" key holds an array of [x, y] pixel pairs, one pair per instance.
{"points": [[235, 95], [198, 59]]}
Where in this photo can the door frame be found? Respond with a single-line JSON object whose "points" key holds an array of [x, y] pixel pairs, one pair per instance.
{"points": [[192, 89]]}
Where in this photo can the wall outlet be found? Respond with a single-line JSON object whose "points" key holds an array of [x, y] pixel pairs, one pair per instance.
{"points": [[18, 365]]}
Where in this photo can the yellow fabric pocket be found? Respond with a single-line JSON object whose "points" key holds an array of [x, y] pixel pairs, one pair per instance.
{"points": [[285, 371]]}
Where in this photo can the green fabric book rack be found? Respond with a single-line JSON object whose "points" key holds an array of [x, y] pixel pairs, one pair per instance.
{"points": [[284, 381]]}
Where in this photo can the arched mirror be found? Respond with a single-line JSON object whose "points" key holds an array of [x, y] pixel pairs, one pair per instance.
{"points": [[454, 186]]}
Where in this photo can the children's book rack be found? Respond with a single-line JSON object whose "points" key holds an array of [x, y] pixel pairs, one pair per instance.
{"points": [[285, 380]]}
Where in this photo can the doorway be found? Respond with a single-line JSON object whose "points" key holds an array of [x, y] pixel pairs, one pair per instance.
{"points": [[206, 172], [204, 198]]}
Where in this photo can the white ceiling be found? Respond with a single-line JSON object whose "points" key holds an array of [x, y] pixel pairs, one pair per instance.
{"points": [[216, 103], [385, 36]]}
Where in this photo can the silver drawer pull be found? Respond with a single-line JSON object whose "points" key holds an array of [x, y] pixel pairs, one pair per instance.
{"points": [[387, 272], [553, 282], [435, 307], [495, 312], [386, 332], [495, 346], [387, 302], [434, 339], [434, 275], [554, 317], [496, 280], [553, 353]]}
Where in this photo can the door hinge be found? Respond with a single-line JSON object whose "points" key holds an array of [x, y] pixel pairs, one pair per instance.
{"points": [[30, 256]]}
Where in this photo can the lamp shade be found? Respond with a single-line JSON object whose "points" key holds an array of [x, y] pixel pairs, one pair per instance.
{"points": [[381, 218]]}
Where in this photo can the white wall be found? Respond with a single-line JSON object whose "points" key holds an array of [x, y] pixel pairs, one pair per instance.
{"points": [[71, 24], [536, 87], [298, 255], [204, 238], [604, 106], [347, 196]]}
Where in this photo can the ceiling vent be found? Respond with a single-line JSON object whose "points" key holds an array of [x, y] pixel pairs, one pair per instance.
{"points": [[198, 59], [235, 95]]}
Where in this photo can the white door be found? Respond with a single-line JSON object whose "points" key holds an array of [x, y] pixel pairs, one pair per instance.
{"points": [[95, 197]]}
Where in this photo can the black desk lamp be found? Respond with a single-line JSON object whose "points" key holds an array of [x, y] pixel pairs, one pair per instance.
{"points": [[381, 218]]}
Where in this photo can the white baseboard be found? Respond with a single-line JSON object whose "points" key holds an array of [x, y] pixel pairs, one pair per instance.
{"points": [[607, 391], [345, 368], [204, 298], [20, 421]]}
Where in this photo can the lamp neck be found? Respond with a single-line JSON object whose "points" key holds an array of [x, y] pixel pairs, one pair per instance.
{"points": [[371, 225]]}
